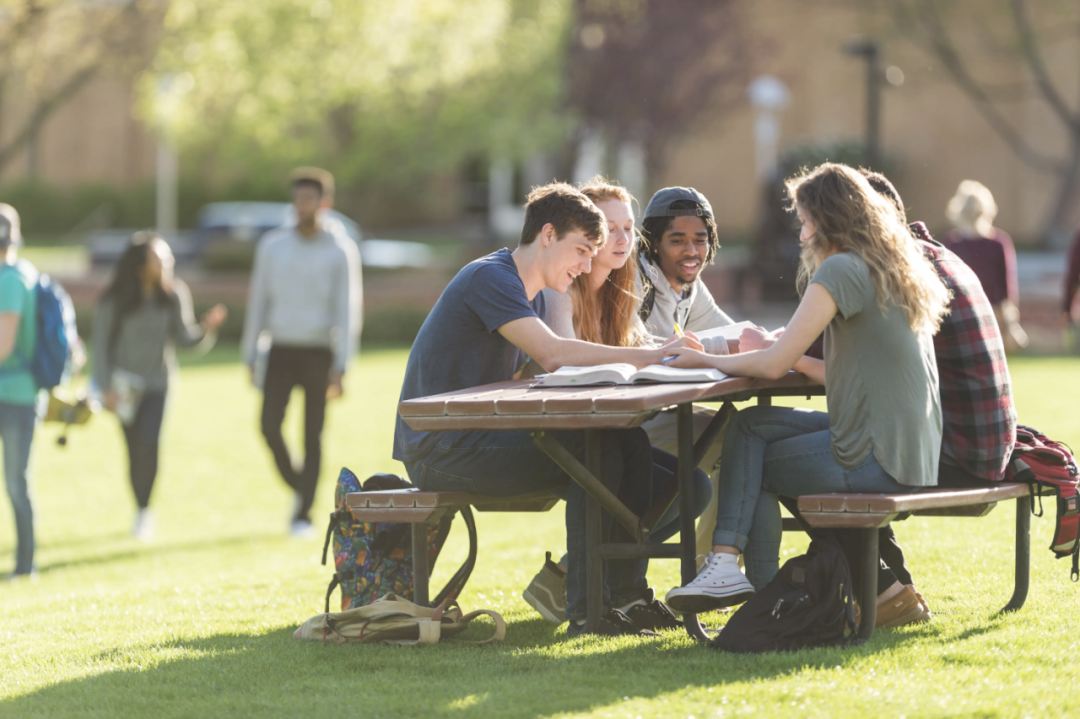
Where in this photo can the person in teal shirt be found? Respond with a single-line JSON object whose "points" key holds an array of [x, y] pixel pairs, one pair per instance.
{"points": [[18, 391]]}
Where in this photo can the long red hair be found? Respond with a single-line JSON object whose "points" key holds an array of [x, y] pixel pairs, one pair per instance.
{"points": [[607, 316]]}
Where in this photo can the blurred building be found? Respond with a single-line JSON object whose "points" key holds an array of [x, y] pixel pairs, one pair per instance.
{"points": [[930, 132]]}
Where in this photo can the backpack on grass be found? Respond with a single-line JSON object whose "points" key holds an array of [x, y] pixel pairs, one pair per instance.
{"points": [[809, 603], [1043, 463], [373, 559]]}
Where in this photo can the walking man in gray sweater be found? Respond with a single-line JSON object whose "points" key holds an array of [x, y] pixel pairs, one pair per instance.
{"points": [[306, 295]]}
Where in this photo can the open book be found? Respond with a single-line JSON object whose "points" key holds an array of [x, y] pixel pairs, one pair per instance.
{"points": [[626, 374]]}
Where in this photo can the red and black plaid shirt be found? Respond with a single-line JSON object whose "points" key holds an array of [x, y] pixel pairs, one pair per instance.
{"points": [[979, 419]]}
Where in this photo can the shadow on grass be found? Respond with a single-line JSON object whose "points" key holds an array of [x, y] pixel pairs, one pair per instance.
{"points": [[536, 672], [137, 551]]}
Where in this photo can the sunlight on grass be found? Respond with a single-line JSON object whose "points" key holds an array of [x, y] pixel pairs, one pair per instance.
{"points": [[199, 623]]}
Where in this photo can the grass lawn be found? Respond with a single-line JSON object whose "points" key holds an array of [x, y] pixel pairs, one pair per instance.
{"points": [[199, 623]]}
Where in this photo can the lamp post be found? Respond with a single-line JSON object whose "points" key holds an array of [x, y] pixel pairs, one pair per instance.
{"points": [[870, 51]]}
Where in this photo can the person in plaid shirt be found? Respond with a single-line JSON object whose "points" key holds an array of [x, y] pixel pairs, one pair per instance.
{"points": [[978, 415]]}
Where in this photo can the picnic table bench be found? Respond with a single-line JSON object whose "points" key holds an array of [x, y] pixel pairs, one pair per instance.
{"points": [[520, 404]]}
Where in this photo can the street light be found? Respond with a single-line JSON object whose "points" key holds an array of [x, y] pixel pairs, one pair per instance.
{"points": [[870, 51]]}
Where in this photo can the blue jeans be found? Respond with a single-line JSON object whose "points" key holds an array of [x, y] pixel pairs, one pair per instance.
{"points": [[17, 432], [771, 451], [507, 463]]}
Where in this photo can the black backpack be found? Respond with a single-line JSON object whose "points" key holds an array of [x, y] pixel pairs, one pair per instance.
{"points": [[809, 603]]}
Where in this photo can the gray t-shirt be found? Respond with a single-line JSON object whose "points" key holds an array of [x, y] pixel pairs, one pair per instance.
{"points": [[882, 377], [459, 345]]}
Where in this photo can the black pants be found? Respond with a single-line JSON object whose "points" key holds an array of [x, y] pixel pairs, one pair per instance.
{"points": [[893, 567], [143, 435], [308, 368]]}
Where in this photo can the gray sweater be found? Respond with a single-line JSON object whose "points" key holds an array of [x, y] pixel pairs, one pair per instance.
{"points": [[305, 292], [146, 339]]}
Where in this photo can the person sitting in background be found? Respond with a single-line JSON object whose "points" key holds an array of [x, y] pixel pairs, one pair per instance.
{"points": [[18, 391], [601, 307], [141, 317], [879, 303], [989, 252], [305, 294]]}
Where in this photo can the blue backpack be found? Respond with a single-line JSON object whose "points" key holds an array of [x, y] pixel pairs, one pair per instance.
{"points": [[56, 334]]}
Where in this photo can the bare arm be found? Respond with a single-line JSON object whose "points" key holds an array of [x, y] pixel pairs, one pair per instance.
{"points": [[9, 326], [811, 318], [537, 340]]}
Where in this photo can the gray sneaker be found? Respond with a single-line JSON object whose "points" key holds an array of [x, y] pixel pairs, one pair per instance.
{"points": [[546, 592]]}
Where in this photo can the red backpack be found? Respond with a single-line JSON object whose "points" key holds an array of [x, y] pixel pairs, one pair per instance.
{"points": [[1043, 463]]}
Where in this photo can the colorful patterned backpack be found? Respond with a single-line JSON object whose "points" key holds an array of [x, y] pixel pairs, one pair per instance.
{"points": [[373, 559]]}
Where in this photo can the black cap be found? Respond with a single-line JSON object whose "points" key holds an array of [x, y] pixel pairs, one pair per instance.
{"points": [[661, 202]]}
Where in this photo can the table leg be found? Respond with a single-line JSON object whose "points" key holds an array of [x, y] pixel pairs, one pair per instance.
{"points": [[594, 564], [687, 535]]}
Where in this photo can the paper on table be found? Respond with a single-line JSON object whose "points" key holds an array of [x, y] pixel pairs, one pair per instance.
{"points": [[732, 332]]}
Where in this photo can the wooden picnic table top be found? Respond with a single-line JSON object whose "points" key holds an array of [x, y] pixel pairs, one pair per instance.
{"points": [[520, 404]]}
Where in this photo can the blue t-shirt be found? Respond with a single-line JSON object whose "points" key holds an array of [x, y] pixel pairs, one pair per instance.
{"points": [[459, 345], [17, 296]]}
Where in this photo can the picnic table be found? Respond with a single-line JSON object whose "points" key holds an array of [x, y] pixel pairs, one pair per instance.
{"points": [[522, 405]]}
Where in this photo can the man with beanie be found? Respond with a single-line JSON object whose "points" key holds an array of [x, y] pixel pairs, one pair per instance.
{"points": [[18, 391], [305, 294]]}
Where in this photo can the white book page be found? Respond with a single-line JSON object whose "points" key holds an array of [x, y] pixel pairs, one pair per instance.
{"points": [[728, 332], [663, 373], [617, 373]]}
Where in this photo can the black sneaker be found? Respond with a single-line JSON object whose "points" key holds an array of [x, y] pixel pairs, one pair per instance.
{"points": [[652, 615], [613, 624]]}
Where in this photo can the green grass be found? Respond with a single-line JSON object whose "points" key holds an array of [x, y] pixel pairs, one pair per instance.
{"points": [[199, 623]]}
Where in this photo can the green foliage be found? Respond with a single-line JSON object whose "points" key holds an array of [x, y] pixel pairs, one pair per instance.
{"points": [[199, 623], [379, 91]]}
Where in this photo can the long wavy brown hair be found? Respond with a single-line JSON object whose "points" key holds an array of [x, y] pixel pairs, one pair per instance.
{"points": [[852, 217], [607, 316]]}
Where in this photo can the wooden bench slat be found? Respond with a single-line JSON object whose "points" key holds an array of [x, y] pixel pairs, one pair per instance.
{"points": [[419, 499], [918, 501]]}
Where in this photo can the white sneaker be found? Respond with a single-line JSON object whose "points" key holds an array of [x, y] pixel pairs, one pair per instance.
{"points": [[144, 526], [719, 584], [301, 529]]}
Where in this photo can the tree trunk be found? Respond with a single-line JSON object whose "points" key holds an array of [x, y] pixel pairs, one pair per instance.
{"points": [[1057, 229]]}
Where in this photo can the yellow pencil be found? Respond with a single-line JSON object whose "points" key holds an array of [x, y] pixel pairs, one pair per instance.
{"points": [[677, 330]]}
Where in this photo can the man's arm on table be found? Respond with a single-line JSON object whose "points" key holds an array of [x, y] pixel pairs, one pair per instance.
{"points": [[536, 339]]}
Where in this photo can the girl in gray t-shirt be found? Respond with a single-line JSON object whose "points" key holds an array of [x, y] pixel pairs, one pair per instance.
{"points": [[879, 303]]}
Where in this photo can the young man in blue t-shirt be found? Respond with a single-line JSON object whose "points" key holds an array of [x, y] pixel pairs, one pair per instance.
{"points": [[18, 391], [485, 324]]}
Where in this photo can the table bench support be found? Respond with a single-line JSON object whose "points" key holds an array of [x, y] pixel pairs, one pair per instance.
{"points": [[1023, 554], [421, 570], [687, 535], [868, 592], [594, 563]]}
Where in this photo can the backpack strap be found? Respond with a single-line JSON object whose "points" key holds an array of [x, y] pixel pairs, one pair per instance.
{"points": [[338, 580], [335, 520], [461, 576]]}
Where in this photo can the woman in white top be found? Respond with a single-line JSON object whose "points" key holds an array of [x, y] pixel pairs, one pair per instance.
{"points": [[879, 302]]}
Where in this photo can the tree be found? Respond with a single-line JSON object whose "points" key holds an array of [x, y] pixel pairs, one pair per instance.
{"points": [[384, 92], [932, 24], [648, 69], [51, 49]]}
